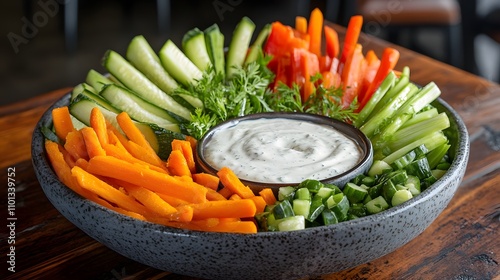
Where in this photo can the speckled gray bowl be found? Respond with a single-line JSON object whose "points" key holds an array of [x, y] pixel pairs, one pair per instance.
{"points": [[269, 255], [363, 143]]}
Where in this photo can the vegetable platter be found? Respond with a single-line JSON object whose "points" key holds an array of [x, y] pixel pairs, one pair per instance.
{"points": [[116, 156]]}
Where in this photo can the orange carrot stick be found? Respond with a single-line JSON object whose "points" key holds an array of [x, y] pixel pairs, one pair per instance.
{"points": [[260, 203], [120, 152], [174, 201], [232, 182], [75, 145], [139, 175], [301, 24], [315, 30], [225, 192], [92, 143], [239, 208], [104, 190], [214, 195], [144, 154], [182, 214], [268, 196], [177, 164], [187, 150], [98, 123], [61, 167], [207, 180], [61, 119], [150, 200], [332, 41], [351, 39], [131, 131]]}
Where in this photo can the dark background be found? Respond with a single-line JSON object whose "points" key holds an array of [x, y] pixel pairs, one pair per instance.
{"points": [[44, 62]]}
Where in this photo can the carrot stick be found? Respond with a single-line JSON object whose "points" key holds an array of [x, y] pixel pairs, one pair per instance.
{"points": [[225, 192], [75, 145], [239, 208], [174, 201], [61, 167], [142, 176], [214, 195], [104, 190], [388, 61], [351, 39], [177, 164], [352, 75], [150, 200], [120, 152], [234, 227], [208, 180], [315, 30], [187, 150], [182, 214], [232, 182], [268, 196], [131, 131], [144, 154], [61, 119], [260, 203], [332, 41], [234, 197], [98, 123], [92, 143], [301, 24]]}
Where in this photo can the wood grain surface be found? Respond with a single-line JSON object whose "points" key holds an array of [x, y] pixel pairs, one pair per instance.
{"points": [[462, 243]]}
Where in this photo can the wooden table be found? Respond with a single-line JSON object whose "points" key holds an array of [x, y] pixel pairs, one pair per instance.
{"points": [[463, 243]]}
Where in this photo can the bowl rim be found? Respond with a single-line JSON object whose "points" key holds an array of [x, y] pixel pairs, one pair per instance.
{"points": [[344, 128], [39, 157]]}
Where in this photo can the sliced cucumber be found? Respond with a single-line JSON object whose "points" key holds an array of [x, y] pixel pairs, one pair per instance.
{"points": [[80, 88], [97, 80], [238, 48], [138, 108], [194, 47], [256, 47], [159, 138], [178, 64], [142, 56], [133, 79], [214, 40]]}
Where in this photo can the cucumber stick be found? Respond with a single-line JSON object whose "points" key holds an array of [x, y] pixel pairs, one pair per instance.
{"points": [[178, 64], [133, 79], [256, 48], [142, 56], [97, 80], [159, 138], [238, 47], [214, 41], [194, 47], [137, 108]]}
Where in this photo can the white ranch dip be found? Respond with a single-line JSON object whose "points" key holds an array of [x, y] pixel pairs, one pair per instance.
{"points": [[280, 150]]}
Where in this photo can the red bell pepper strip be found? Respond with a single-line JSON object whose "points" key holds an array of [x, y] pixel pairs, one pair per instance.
{"points": [[389, 59], [353, 74]]}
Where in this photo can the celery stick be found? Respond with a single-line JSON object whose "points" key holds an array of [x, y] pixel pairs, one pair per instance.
{"points": [[400, 83], [388, 109], [430, 141], [387, 84], [416, 131], [421, 117], [416, 103]]}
